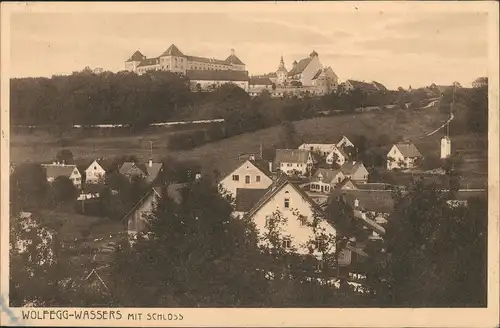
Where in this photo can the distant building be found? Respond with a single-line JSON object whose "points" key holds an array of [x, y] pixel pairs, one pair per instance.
{"points": [[96, 171], [445, 147], [210, 80], [58, 169], [368, 87], [148, 171], [293, 161], [174, 60], [356, 171], [325, 180], [403, 155], [249, 174], [480, 82], [258, 84]]}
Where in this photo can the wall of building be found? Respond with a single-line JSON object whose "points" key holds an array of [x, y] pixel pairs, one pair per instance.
{"points": [[340, 158], [310, 71], [206, 85], [243, 171], [299, 233], [136, 221]]}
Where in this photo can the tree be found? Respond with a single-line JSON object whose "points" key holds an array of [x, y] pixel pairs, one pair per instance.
{"points": [[62, 191], [197, 255], [28, 187], [65, 156], [288, 136]]}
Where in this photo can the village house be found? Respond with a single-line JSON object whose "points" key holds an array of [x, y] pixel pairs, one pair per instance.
{"points": [[96, 171], [344, 142], [337, 156], [210, 80], [148, 171], [251, 174], [137, 219], [346, 184], [173, 60], [356, 171], [57, 169], [368, 87], [325, 180], [403, 155], [293, 161], [325, 80]]}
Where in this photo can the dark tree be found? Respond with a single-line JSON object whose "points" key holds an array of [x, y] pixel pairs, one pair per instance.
{"points": [[28, 187], [64, 156]]}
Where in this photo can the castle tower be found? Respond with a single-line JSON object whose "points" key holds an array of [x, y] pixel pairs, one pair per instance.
{"points": [[445, 147], [281, 72]]}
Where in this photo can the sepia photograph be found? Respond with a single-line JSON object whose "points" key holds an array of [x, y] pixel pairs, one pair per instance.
{"points": [[169, 157]]}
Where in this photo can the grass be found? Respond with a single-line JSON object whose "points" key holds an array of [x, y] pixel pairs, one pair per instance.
{"points": [[221, 154]]}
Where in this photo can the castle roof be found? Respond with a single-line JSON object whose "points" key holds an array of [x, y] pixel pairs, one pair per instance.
{"points": [[137, 56], [172, 51], [233, 59]]}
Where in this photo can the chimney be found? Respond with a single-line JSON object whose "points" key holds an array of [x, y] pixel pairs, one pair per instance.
{"points": [[251, 157], [270, 166]]}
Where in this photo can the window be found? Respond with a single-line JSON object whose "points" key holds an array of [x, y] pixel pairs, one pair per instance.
{"points": [[327, 188], [289, 164], [257, 178], [247, 179], [95, 167], [287, 200], [236, 177], [287, 243]]}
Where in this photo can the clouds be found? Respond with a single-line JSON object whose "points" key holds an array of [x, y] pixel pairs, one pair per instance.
{"points": [[363, 45]]}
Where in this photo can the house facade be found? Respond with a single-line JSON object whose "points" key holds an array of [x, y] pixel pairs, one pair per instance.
{"points": [[251, 174], [95, 173], [56, 170], [325, 180], [403, 155], [293, 161], [355, 171], [344, 142], [337, 156], [258, 84], [285, 200], [305, 70], [174, 60], [325, 81]]}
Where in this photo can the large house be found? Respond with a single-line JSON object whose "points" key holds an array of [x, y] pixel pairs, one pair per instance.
{"points": [[174, 60], [304, 70], [210, 80], [148, 171], [356, 171], [251, 174], [337, 156], [403, 155], [332, 152], [325, 80], [293, 161], [57, 169], [325, 180], [367, 87], [258, 84]]}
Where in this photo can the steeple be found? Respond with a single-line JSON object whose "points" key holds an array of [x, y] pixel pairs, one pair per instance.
{"points": [[282, 65]]}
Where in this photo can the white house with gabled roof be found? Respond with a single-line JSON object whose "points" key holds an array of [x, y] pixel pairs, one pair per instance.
{"points": [[403, 155]]}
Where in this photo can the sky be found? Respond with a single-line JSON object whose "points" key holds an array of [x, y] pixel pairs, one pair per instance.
{"points": [[402, 48]]}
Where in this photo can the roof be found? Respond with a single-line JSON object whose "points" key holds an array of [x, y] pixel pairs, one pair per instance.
{"points": [[106, 164], [206, 60], [328, 175], [233, 59], [254, 80], [362, 85], [379, 86], [57, 170], [291, 156], [351, 167], [221, 75], [374, 186], [408, 149], [345, 182], [137, 56], [151, 173], [277, 185], [172, 51], [377, 201], [300, 66], [318, 73], [247, 198], [148, 62], [260, 164]]}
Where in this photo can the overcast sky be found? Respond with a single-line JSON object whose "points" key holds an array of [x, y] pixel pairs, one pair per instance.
{"points": [[398, 49]]}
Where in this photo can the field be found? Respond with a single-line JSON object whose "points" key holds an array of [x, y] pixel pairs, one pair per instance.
{"points": [[394, 123]]}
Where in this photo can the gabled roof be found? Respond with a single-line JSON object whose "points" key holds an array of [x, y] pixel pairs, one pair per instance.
{"points": [[377, 201], [260, 164], [254, 80], [362, 85], [172, 51], [278, 185], [150, 172], [220, 75], [408, 149], [149, 62], [105, 164], [233, 59], [379, 86], [351, 167], [57, 170], [206, 60], [300, 66], [137, 56], [345, 182], [327, 174], [247, 198], [291, 156], [341, 151]]}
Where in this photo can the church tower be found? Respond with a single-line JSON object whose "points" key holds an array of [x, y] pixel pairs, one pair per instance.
{"points": [[446, 141], [281, 72]]}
